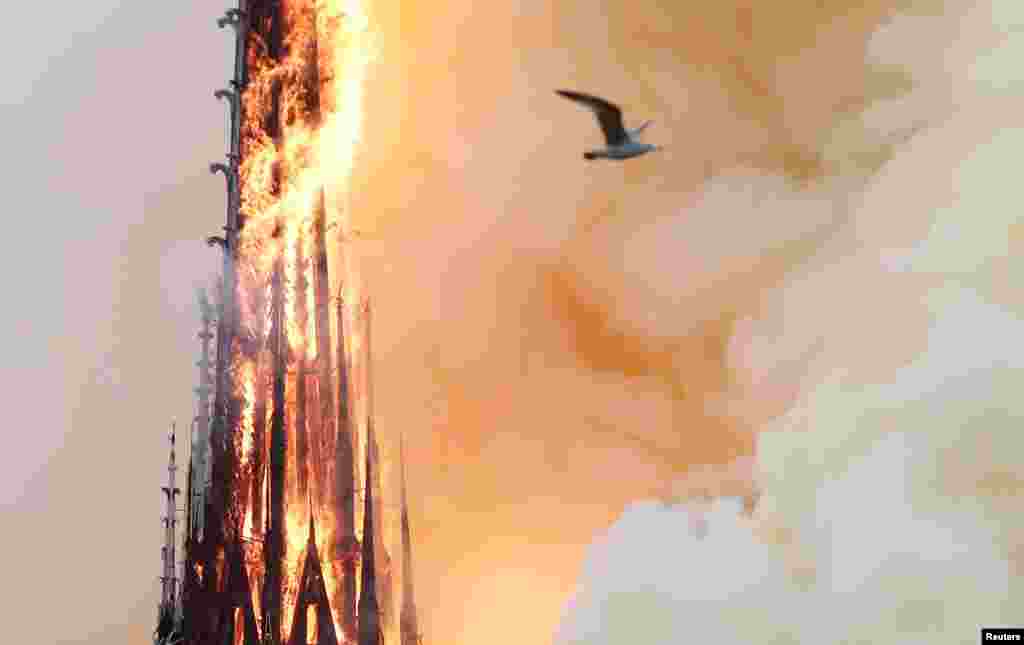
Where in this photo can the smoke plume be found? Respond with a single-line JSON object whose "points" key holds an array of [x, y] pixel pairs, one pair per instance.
{"points": [[880, 375]]}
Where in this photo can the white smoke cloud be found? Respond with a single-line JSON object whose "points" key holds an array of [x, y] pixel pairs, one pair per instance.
{"points": [[891, 486], [884, 571]]}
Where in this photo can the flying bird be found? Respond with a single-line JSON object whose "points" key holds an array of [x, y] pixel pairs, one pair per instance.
{"points": [[621, 143]]}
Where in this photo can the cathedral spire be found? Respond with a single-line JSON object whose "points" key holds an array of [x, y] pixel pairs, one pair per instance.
{"points": [[369, 610], [168, 579], [382, 559], [410, 633], [312, 593], [346, 546]]}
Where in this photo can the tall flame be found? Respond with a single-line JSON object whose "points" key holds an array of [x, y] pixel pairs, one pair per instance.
{"points": [[302, 118]]}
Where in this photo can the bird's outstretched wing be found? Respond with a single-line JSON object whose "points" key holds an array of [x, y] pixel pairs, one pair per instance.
{"points": [[608, 115]]}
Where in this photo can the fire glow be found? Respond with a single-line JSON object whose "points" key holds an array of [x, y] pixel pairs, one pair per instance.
{"points": [[302, 115]]}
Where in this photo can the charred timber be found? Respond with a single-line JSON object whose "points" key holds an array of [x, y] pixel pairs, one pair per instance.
{"points": [[211, 505], [226, 566], [200, 621], [236, 602], [369, 610], [259, 426], [266, 33], [301, 424], [324, 413], [313, 80], [275, 538], [347, 547], [409, 622], [250, 483], [312, 593], [382, 558]]}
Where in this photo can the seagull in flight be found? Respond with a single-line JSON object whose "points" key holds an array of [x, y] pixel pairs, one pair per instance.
{"points": [[621, 143]]}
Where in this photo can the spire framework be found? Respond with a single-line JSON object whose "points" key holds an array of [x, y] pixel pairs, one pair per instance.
{"points": [[271, 549], [168, 620], [408, 621]]}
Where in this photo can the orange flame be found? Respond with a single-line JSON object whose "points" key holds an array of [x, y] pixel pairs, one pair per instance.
{"points": [[288, 174]]}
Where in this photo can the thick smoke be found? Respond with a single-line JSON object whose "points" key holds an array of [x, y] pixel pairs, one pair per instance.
{"points": [[568, 328], [892, 521], [870, 567], [882, 376], [540, 390]]}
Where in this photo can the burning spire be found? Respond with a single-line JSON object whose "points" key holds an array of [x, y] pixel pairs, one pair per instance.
{"points": [[274, 472], [410, 628]]}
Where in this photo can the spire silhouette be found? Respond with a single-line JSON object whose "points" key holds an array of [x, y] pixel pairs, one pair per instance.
{"points": [[369, 610], [409, 621]]}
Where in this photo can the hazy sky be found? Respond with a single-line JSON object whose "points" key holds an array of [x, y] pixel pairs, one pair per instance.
{"points": [[811, 292]]}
